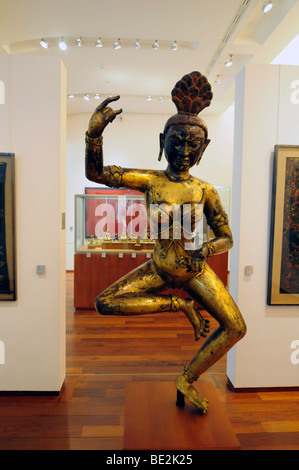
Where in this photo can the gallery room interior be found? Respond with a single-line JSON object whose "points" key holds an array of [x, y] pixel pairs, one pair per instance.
{"points": [[71, 379]]}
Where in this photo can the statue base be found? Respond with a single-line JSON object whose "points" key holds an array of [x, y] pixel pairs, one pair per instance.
{"points": [[153, 420]]}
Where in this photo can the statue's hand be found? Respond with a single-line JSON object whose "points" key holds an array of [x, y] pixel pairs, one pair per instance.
{"points": [[202, 253], [101, 117], [198, 258]]}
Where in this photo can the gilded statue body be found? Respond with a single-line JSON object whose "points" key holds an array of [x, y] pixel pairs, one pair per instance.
{"points": [[183, 141]]}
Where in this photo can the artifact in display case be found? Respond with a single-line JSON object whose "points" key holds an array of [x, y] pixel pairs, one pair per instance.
{"points": [[100, 218], [91, 243], [176, 262]]}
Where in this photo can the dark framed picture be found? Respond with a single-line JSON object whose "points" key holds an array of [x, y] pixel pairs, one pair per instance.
{"points": [[283, 279], [7, 228]]}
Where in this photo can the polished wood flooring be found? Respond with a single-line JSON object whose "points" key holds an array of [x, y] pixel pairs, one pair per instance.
{"points": [[103, 355]]}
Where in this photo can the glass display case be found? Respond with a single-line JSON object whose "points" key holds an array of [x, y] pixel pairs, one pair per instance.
{"points": [[116, 220]]}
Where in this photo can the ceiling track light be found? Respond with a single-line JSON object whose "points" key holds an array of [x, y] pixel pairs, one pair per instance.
{"points": [[99, 43], [217, 80], [97, 96], [44, 43], [155, 46], [174, 46], [117, 44], [267, 6], [89, 42], [62, 45], [79, 42], [229, 61]]}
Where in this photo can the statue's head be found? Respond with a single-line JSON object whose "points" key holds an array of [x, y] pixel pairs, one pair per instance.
{"points": [[185, 135]]}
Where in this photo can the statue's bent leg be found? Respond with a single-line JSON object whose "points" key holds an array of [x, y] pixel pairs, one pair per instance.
{"points": [[210, 292], [138, 293], [133, 294]]}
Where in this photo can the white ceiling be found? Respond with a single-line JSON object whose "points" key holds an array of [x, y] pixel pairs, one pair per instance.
{"points": [[206, 33]]}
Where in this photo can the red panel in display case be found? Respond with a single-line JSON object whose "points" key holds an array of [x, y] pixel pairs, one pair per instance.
{"points": [[117, 211]]}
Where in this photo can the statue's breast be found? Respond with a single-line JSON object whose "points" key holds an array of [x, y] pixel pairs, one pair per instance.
{"points": [[173, 212]]}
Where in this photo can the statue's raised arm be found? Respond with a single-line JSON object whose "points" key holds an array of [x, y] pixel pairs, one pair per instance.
{"points": [[112, 176], [102, 116]]}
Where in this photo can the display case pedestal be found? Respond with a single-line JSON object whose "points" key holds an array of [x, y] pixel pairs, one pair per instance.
{"points": [[154, 422], [93, 273]]}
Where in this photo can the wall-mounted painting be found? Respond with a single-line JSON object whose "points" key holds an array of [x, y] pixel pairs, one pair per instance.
{"points": [[7, 228], [283, 281]]}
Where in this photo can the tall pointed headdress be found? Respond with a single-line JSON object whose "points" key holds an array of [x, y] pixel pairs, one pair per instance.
{"points": [[190, 95]]}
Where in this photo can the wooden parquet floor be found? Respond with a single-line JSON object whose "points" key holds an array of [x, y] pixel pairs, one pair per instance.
{"points": [[103, 354]]}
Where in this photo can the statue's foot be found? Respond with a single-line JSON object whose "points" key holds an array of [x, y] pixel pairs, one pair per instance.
{"points": [[193, 395], [200, 325]]}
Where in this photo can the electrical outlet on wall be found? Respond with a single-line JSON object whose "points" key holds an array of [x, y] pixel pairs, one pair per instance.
{"points": [[248, 270], [40, 269]]}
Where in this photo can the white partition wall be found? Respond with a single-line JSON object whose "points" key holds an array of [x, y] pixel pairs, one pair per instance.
{"points": [[33, 126], [266, 114]]}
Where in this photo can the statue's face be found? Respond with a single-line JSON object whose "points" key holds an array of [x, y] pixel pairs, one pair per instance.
{"points": [[184, 146]]}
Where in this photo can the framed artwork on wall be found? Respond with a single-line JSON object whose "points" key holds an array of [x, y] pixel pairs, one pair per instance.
{"points": [[7, 228], [283, 277]]}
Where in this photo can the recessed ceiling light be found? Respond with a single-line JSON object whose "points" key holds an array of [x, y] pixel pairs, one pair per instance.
{"points": [[149, 98], [71, 96], [86, 97], [161, 99], [217, 80], [229, 61], [267, 6], [174, 46], [44, 43], [155, 46], [99, 43], [136, 45], [97, 96], [117, 44], [62, 45]]}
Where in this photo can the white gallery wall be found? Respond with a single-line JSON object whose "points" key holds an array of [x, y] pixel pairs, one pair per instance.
{"points": [[33, 126], [267, 113], [132, 140]]}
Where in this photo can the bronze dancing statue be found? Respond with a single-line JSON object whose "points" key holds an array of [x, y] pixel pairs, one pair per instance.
{"points": [[184, 140]]}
